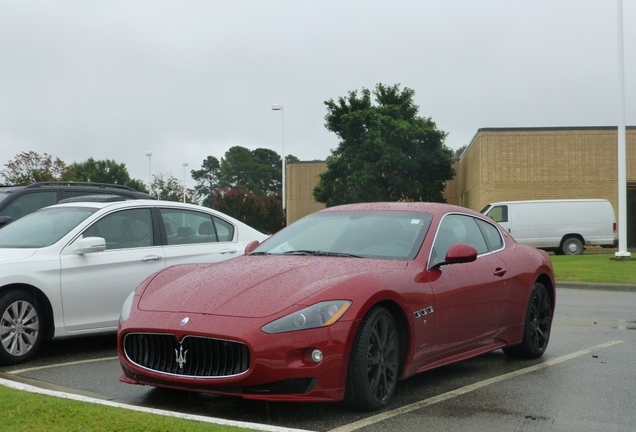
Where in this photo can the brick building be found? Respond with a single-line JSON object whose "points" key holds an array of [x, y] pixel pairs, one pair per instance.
{"points": [[506, 164]]}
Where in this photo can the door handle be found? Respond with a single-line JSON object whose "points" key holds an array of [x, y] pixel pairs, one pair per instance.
{"points": [[151, 258], [500, 271], [227, 251]]}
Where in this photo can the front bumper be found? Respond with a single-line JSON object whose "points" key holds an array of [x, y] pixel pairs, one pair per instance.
{"points": [[280, 365]]}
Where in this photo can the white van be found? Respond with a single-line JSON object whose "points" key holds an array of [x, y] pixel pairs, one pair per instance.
{"points": [[563, 226]]}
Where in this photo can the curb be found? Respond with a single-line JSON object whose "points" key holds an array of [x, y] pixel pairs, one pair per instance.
{"points": [[597, 286]]}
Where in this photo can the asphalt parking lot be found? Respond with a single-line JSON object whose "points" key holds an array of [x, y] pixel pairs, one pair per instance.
{"points": [[585, 381]]}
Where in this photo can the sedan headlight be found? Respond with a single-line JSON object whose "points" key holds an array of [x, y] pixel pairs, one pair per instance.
{"points": [[127, 307], [319, 315]]}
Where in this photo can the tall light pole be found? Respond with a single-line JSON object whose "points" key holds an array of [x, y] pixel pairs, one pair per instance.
{"points": [[622, 165], [279, 107], [149, 154], [185, 164]]}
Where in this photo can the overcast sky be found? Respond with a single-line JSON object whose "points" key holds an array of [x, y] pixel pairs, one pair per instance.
{"points": [[189, 79]]}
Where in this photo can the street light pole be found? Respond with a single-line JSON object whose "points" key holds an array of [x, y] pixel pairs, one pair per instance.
{"points": [[149, 154], [185, 164], [279, 107]]}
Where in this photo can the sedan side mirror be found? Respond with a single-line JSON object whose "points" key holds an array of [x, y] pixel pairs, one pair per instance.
{"points": [[89, 244], [461, 253]]}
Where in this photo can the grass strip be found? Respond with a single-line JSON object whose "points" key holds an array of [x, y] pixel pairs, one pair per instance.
{"points": [[595, 268], [25, 411]]}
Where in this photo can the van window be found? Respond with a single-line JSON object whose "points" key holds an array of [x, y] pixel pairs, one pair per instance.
{"points": [[499, 213]]}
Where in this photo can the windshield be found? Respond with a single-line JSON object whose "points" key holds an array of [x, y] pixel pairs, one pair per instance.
{"points": [[365, 234], [42, 228]]}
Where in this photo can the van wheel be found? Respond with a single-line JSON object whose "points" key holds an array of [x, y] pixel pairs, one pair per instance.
{"points": [[572, 246]]}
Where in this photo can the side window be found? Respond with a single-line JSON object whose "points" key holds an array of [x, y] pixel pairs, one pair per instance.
{"points": [[457, 228], [28, 203], [124, 229], [224, 229], [188, 227], [493, 236], [499, 213]]}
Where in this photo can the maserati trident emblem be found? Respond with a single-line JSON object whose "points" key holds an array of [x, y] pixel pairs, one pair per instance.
{"points": [[181, 356]]}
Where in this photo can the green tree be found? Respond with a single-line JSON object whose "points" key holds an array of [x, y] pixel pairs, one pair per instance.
{"points": [[30, 167], [104, 171], [386, 151], [207, 178], [168, 188], [257, 171], [260, 211]]}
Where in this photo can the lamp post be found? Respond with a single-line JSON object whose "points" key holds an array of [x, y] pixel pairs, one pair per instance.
{"points": [[149, 154], [279, 107], [185, 164]]}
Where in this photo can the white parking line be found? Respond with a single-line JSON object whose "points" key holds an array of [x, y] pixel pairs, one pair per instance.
{"points": [[198, 418], [467, 389], [19, 371]]}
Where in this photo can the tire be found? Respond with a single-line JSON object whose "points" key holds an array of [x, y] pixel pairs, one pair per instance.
{"points": [[538, 322], [20, 332], [572, 246], [374, 363]]}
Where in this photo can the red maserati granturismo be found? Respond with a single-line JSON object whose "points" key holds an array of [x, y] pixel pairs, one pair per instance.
{"points": [[340, 306]]}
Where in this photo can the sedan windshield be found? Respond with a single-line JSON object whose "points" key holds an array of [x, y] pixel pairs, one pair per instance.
{"points": [[42, 228], [369, 234]]}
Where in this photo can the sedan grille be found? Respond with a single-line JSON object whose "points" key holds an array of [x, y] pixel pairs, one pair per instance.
{"points": [[194, 356]]}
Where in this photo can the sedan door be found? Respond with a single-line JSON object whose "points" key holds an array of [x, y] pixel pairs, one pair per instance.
{"points": [[197, 237], [95, 285]]}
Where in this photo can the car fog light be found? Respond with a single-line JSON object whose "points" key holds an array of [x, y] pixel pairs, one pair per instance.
{"points": [[316, 356]]}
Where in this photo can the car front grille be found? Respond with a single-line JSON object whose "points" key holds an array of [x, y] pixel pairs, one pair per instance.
{"points": [[194, 356]]}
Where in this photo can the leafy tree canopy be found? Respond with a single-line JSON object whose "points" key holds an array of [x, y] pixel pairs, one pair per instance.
{"points": [[260, 211], [386, 153], [104, 171], [169, 188], [30, 167], [206, 178]]}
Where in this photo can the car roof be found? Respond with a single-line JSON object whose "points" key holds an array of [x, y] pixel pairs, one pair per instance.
{"points": [[425, 207], [130, 204]]}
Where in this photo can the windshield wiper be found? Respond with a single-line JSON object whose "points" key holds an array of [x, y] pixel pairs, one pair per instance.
{"points": [[322, 253], [259, 253]]}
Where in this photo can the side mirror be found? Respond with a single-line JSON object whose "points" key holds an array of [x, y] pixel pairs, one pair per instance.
{"points": [[251, 246], [461, 253], [89, 244]]}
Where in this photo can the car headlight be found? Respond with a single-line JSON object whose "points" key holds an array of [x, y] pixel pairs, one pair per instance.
{"points": [[319, 315], [127, 307]]}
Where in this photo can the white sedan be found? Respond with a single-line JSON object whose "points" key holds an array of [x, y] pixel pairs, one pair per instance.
{"points": [[66, 270]]}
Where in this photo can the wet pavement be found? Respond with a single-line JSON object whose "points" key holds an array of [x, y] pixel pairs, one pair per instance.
{"points": [[586, 381]]}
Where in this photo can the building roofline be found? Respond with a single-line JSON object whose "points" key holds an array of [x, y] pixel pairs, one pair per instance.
{"points": [[538, 129], [550, 128]]}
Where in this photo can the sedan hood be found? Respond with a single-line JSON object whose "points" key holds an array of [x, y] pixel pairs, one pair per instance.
{"points": [[251, 286], [15, 254]]}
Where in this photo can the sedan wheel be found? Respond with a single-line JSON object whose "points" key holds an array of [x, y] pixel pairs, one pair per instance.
{"points": [[536, 333], [374, 363], [19, 327]]}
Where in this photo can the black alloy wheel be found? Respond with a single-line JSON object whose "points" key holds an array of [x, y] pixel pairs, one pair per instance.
{"points": [[374, 362], [536, 333]]}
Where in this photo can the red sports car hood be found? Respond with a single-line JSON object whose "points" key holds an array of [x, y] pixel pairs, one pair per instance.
{"points": [[251, 286]]}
